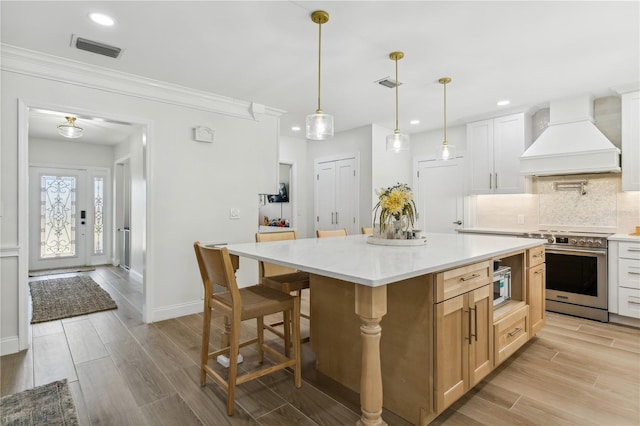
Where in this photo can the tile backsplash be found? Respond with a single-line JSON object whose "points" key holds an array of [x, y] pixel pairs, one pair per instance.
{"points": [[603, 208], [577, 200]]}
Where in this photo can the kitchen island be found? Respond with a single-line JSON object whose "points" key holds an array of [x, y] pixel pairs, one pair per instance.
{"points": [[424, 286]]}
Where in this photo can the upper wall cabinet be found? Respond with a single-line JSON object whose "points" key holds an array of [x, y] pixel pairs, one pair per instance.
{"points": [[494, 147], [631, 141]]}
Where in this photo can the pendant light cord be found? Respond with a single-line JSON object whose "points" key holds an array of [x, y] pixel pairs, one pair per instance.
{"points": [[319, 61], [445, 113], [397, 84]]}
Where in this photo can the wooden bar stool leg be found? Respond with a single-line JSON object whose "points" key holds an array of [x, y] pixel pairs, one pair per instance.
{"points": [[204, 356], [296, 339], [233, 364], [260, 325], [287, 333], [224, 337]]}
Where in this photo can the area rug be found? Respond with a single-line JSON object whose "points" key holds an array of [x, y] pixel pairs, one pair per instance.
{"points": [[49, 404], [61, 271], [58, 298]]}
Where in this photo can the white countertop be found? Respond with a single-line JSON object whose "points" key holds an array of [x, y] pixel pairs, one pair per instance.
{"points": [[352, 259], [624, 237], [494, 231]]}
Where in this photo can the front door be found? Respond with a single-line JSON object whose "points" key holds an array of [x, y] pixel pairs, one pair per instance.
{"points": [[65, 207]]}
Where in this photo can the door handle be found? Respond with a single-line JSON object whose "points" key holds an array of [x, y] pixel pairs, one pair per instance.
{"points": [[457, 222], [332, 213], [337, 221]]}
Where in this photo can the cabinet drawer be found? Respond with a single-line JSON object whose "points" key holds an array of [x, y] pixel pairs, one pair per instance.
{"points": [[455, 282], [629, 271], [629, 250], [629, 302], [510, 333], [535, 256]]}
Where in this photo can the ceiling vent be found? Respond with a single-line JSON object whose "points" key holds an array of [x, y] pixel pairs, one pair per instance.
{"points": [[388, 82], [96, 47]]}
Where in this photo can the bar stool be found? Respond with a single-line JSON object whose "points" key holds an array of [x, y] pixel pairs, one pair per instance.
{"points": [[331, 233], [237, 305], [367, 231], [283, 279]]}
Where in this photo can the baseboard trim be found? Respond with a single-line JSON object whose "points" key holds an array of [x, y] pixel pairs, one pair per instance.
{"points": [[179, 310]]}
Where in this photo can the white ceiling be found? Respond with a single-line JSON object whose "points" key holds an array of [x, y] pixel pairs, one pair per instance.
{"points": [[266, 52]]}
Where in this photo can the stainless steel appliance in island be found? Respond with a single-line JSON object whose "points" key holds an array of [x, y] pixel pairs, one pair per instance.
{"points": [[576, 273]]}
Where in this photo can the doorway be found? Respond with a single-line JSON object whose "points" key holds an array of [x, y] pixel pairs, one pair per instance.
{"points": [[68, 217], [440, 195]]}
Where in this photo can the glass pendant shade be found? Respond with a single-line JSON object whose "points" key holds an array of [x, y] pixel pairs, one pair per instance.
{"points": [[319, 126], [69, 129], [397, 142], [446, 151]]}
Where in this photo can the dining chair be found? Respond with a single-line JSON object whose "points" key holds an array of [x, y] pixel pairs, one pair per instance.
{"points": [[367, 231], [331, 233], [237, 305], [283, 279]]}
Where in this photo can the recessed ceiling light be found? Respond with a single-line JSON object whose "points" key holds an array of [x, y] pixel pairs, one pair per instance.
{"points": [[503, 102], [102, 19], [414, 122], [296, 128]]}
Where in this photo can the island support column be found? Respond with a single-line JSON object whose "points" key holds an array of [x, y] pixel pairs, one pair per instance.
{"points": [[371, 306]]}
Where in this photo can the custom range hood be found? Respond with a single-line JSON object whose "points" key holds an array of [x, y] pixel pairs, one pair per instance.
{"points": [[571, 144]]}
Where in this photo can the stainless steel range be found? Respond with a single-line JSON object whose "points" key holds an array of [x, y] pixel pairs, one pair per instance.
{"points": [[576, 273]]}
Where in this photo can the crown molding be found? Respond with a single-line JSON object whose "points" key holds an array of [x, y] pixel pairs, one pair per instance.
{"points": [[36, 64]]}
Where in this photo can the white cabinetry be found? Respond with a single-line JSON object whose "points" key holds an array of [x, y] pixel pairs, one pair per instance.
{"points": [[624, 277], [494, 147], [631, 141], [336, 196]]}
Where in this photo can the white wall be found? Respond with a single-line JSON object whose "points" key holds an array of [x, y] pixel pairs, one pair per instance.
{"points": [[192, 185], [426, 144], [70, 153]]}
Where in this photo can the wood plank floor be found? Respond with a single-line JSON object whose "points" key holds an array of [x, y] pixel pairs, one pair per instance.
{"points": [[124, 372]]}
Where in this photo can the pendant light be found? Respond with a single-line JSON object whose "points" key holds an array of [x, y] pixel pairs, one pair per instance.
{"points": [[319, 125], [69, 129], [397, 141], [446, 151]]}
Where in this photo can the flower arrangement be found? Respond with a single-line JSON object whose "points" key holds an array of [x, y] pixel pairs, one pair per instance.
{"points": [[395, 202]]}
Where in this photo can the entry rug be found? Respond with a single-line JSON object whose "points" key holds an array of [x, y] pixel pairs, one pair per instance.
{"points": [[60, 271], [58, 298], [48, 405]]}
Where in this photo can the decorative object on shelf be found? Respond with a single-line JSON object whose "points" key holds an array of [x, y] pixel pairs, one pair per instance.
{"points": [[203, 134], [319, 124], [397, 212], [397, 141], [446, 151], [69, 129]]}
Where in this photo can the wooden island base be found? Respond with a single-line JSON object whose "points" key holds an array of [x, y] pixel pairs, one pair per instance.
{"points": [[438, 337]]}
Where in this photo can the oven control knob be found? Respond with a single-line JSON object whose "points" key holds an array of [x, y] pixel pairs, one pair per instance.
{"points": [[550, 240], [597, 243], [573, 241], [590, 243], [581, 242]]}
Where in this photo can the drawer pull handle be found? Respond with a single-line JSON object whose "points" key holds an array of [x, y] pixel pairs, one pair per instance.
{"points": [[537, 272], [633, 249], [470, 277], [632, 302], [539, 254], [633, 272], [514, 332]]}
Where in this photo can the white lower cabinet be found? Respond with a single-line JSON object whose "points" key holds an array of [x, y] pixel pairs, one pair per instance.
{"points": [[624, 278]]}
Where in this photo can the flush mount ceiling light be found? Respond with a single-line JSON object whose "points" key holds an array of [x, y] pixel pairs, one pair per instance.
{"points": [[397, 141], [102, 19], [69, 129], [446, 151], [319, 125], [503, 102]]}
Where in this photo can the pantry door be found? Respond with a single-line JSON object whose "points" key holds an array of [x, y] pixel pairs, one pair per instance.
{"points": [[440, 195], [60, 218]]}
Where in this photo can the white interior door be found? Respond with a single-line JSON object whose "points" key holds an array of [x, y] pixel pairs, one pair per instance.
{"points": [[59, 218], [440, 195], [346, 197], [325, 195]]}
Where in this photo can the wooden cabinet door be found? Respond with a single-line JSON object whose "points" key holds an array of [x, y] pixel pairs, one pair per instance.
{"points": [[481, 351], [452, 350], [536, 279]]}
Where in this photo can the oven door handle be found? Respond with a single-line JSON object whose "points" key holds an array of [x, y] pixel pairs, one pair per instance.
{"points": [[577, 251]]}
